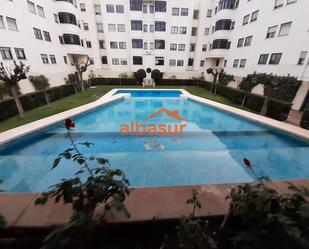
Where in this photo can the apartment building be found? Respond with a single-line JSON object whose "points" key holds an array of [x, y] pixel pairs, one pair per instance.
{"points": [[178, 37]]}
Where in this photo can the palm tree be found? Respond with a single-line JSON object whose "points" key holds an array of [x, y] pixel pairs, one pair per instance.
{"points": [[11, 75]]}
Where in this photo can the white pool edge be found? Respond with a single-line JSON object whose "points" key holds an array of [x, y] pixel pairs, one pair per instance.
{"points": [[109, 97]]}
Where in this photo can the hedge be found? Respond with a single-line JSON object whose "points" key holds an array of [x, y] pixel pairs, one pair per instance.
{"points": [[304, 123], [35, 99], [112, 81]]}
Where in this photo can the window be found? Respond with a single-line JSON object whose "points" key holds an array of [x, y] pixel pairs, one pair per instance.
{"points": [[202, 63], [97, 9], [159, 44], [145, 45], [82, 7], [224, 63], [151, 9], [86, 26], [206, 31], [174, 30], [111, 27], [232, 25], [119, 9], [88, 44], [38, 34], [40, 11], [302, 57], [11, 23], [151, 28], [145, 9], [275, 58], [20, 53], [160, 26], [195, 14], [181, 47], [46, 36], [137, 43], [235, 63], [82, 42], [1, 23], [175, 12], [204, 48], [151, 45], [291, 1], [123, 62], [184, 12], [192, 47], [145, 28], [285, 29], [182, 30], [248, 41], [209, 12], [100, 27], [173, 46], [159, 61], [223, 24], [193, 31], [271, 32], [61, 39], [137, 60], [52, 59], [242, 63], [104, 59], [102, 44], [172, 63], [65, 17], [136, 5], [245, 20], [122, 45], [31, 7], [136, 25], [110, 8], [263, 59], [71, 39], [240, 42], [113, 45], [115, 61], [180, 63], [160, 6], [190, 62], [6, 53], [65, 59], [254, 16], [121, 28], [44, 58], [278, 4]]}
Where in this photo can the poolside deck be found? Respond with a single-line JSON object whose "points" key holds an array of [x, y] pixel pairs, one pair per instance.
{"points": [[145, 204]]}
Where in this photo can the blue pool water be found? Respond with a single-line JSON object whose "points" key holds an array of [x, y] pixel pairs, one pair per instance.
{"points": [[210, 150]]}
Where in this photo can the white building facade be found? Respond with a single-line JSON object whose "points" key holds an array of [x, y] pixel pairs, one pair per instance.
{"points": [[179, 37]]}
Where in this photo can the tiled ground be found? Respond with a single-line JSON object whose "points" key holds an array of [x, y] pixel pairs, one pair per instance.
{"points": [[143, 204]]}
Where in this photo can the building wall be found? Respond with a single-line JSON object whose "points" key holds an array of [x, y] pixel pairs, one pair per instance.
{"points": [[290, 45]]}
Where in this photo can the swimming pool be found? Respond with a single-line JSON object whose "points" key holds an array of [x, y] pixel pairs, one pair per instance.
{"points": [[210, 150]]}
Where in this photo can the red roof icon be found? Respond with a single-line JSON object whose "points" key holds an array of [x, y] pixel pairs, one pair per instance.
{"points": [[174, 114]]}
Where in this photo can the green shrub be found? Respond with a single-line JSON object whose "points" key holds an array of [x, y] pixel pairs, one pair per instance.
{"points": [[140, 75], [156, 76], [304, 123], [71, 79], [285, 91], [225, 79], [4, 92], [39, 82], [123, 75]]}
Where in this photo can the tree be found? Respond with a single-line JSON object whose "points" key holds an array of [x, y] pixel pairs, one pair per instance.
{"points": [[270, 84], [140, 75], [40, 83], [11, 75], [156, 76], [72, 79], [215, 72], [81, 67]]}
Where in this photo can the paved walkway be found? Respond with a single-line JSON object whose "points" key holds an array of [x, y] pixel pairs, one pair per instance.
{"points": [[294, 117]]}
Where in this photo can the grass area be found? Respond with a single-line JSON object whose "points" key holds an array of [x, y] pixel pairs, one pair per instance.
{"points": [[90, 95]]}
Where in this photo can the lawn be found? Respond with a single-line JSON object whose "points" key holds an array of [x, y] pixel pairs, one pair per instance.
{"points": [[90, 95]]}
